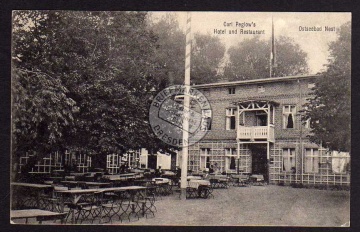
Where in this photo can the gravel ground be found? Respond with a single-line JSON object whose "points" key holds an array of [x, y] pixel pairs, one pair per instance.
{"points": [[252, 206], [257, 205]]}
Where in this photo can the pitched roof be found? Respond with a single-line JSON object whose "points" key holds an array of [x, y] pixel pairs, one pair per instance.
{"points": [[256, 81]]}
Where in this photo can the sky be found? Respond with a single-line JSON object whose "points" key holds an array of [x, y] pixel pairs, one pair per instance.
{"points": [[292, 24]]}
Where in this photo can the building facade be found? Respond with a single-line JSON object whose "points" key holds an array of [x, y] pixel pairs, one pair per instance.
{"points": [[256, 128]]}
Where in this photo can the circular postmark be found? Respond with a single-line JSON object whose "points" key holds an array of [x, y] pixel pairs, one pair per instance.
{"points": [[167, 115]]}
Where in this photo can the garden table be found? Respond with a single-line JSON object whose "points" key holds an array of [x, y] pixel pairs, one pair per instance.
{"points": [[200, 185], [33, 191], [40, 215], [197, 183], [194, 178], [164, 185], [87, 183]]}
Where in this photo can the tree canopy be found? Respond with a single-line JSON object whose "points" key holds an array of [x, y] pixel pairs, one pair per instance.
{"points": [[250, 59], [83, 81], [329, 110], [207, 52]]}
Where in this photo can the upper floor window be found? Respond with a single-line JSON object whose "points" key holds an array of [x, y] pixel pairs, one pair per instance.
{"points": [[206, 120], [288, 159], [230, 119], [311, 160], [231, 90], [307, 124], [261, 89], [289, 112]]}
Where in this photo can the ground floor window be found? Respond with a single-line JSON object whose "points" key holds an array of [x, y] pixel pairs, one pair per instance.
{"points": [[204, 158], [288, 159], [231, 156], [311, 160], [340, 163]]}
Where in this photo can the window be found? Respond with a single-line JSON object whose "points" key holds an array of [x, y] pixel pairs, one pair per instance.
{"points": [[231, 90], [311, 160], [206, 120], [230, 119], [231, 155], [340, 162], [288, 159], [289, 112], [204, 158], [261, 89], [307, 124]]}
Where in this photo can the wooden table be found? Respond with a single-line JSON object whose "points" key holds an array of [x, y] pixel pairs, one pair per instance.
{"points": [[37, 188], [87, 183], [197, 183], [200, 186], [40, 215], [193, 178]]}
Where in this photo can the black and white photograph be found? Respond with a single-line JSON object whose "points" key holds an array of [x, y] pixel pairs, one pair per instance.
{"points": [[180, 118]]}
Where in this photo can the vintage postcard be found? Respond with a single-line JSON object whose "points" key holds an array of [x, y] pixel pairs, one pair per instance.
{"points": [[181, 118]]}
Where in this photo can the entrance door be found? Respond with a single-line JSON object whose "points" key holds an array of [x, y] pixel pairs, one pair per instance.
{"points": [[259, 160], [152, 159]]}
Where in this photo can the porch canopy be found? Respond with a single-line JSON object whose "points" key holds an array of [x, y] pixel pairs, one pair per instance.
{"points": [[254, 105]]}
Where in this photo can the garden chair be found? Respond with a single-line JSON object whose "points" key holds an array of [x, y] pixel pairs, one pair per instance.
{"points": [[206, 192], [87, 208], [111, 205], [191, 192]]}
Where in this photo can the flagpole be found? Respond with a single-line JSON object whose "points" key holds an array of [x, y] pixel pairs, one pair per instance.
{"points": [[272, 49], [185, 151]]}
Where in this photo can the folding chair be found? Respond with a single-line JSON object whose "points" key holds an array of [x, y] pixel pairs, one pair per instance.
{"points": [[206, 192], [111, 205], [53, 202], [87, 208], [191, 192]]}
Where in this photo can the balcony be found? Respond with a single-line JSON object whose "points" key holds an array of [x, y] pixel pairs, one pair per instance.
{"points": [[256, 133]]}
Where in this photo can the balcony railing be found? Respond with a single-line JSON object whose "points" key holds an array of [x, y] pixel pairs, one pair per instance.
{"points": [[253, 133]]}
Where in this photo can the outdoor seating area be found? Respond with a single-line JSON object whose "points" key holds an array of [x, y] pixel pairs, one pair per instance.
{"points": [[102, 198], [106, 199]]}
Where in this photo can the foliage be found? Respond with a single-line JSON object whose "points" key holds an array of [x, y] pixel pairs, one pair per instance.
{"points": [[170, 49], [250, 59], [330, 108], [207, 53], [80, 83]]}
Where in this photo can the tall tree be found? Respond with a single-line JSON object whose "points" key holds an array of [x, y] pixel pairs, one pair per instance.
{"points": [[329, 110], [169, 57], [170, 48], [81, 83], [250, 59], [207, 53]]}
